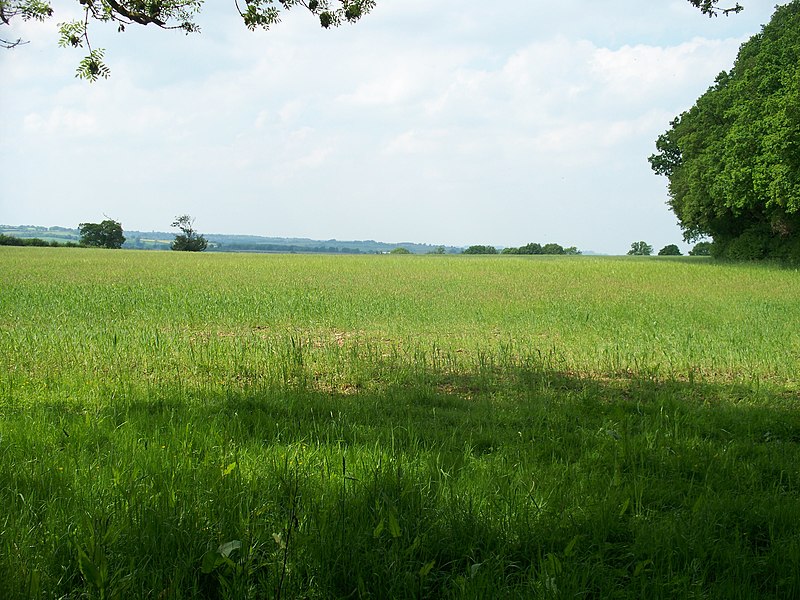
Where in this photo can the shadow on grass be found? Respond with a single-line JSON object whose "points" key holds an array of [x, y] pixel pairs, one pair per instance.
{"points": [[491, 410], [500, 483]]}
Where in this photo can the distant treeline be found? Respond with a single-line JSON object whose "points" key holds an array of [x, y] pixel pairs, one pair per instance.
{"points": [[283, 248], [158, 240], [532, 248], [10, 240]]}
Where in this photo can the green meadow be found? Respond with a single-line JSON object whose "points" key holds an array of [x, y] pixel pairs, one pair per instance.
{"points": [[179, 425]]}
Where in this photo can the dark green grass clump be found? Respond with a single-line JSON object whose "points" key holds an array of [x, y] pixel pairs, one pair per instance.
{"points": [[532, 484]]}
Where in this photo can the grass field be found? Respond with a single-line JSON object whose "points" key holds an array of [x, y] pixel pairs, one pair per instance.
{"points": [[247, 426]]}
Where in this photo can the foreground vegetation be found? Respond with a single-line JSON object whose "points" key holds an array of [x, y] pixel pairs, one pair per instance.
{"points": [[234, 426]]}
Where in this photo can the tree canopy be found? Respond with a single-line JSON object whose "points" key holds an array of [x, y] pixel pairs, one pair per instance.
{"points": [[733, 159], [670, 250], [701, 249], [188, 240], [107, 234], [536, 248], [480, 249], [640, 249], [181, 14]]}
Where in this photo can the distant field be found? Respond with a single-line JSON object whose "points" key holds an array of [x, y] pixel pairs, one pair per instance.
{"points": [[247, 426]]}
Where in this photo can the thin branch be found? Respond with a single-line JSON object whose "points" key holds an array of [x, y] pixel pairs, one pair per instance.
{"points": [[86, 30], [6, 44]]}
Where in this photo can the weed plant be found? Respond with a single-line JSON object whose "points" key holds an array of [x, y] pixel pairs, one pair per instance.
{"points": [[230, 426]]}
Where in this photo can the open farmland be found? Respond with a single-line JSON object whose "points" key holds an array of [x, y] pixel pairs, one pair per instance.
{"points": [[175, 425]]}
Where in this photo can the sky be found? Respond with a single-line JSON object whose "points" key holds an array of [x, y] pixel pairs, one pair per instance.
{"points": [[452, 122]]}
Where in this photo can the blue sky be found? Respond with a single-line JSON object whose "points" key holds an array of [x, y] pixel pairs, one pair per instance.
{"points": [[453, 122]]}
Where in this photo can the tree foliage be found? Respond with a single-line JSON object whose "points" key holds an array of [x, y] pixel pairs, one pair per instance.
{"points": [[188, 240], [670, 250], [701, 249], [10, 240], [166, 14], [480, 249], [181, 15], [106, 234], [536, 248], [640, 249], [733, 159], [712, 8]]}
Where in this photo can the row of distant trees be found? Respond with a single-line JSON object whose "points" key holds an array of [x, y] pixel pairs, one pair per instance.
{"points": [[637, 249], [645, 249], [640, 248], [532, 248], [108, 234], [11, 240]]}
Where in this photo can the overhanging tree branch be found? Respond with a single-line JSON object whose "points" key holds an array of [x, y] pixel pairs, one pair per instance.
{"points": [[710, 8], [180, 14]]}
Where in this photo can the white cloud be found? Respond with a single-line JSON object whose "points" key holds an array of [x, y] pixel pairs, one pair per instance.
{"points": [[646, 74], [392, 88], [61, 121]]}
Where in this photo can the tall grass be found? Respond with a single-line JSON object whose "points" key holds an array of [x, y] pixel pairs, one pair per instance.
{"points": [[228, 426]]}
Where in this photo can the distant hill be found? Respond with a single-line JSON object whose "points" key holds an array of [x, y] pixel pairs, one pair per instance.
{"points": [[219, 242]]}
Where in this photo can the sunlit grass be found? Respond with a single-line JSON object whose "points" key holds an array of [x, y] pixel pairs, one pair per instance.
{"points": [[176, 425]]}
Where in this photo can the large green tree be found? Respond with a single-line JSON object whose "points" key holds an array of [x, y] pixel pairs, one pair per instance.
{"points": [[640, 249], [733, 159], [181, 14], [106, 234], [670, 250]]}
